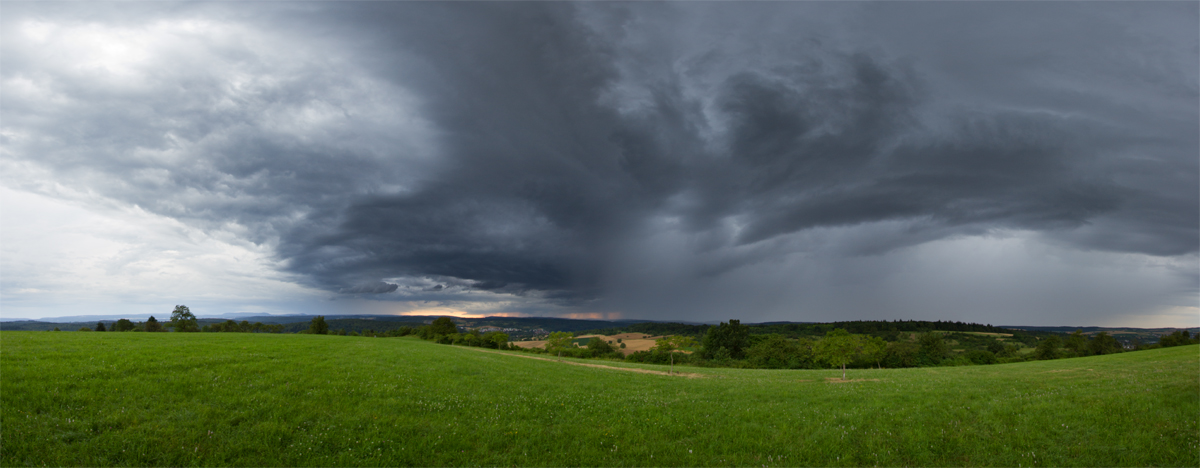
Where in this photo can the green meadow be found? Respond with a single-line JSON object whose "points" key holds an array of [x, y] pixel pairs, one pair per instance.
{"points": [[104, 399]]}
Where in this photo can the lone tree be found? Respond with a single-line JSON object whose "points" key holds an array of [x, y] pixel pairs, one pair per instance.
{"points": [[839, 348], [317, 327], [668, 344], [558, 341], [182, 320], [153, 325], [100, 326]]}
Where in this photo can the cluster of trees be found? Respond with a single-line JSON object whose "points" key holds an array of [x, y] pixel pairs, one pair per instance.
{"points": [[391, 333], [444, 330], [124, 325], [729, 345], [564, 344], [889, 330], [229, 326], [1179, 338], [733, 344], [1076, 345]]}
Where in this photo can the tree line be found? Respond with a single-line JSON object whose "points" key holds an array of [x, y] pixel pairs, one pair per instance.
{"points": [[732, 344], [184, 321]]}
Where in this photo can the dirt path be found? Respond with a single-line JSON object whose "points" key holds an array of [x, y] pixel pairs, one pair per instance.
{"points": [[626, 369]]}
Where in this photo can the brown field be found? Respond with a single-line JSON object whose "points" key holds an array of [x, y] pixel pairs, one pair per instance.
{"points": [[633, 342]]}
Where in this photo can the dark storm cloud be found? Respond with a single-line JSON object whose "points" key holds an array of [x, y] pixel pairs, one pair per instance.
{"points": [[377, 288], [530, 149], [543, 177]]}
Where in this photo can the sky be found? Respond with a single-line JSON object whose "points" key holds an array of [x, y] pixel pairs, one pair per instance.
{"points": [[1012, 163]]}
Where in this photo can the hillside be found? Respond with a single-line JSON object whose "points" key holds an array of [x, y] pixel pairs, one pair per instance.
{"points": [[101, 399]]}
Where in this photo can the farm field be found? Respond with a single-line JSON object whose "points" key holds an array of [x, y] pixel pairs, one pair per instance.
{"points": [[103, 399], [633, 342]]}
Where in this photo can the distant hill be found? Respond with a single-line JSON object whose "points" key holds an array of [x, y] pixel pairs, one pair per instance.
{"points": [[1124, 334]]}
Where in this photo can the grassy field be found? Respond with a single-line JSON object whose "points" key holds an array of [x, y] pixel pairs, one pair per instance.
{"points": [[100, 399]]}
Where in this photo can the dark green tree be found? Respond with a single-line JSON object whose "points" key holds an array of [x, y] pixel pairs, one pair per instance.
{"points": [[778, 352], [182, 320], [1104, 344], [598, 347], [902, 354], [100, 326], [443, 326], [1078, 343], [980, 356], [317, 327], [496, 340], [123, 325], [732, 335], [153, 325], [1048, 348], [933, 348]]}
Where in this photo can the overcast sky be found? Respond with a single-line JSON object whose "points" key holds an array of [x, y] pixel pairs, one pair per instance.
{"points": [[1002, 162]]}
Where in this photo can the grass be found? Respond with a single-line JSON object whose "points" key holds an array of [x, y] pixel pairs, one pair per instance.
{"points": [[103, 399]]}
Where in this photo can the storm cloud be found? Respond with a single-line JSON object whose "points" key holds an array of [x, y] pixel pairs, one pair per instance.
{"points": [[651, 160]]}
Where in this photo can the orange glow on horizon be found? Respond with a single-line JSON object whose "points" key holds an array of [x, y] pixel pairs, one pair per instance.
{"points": [[457, 313], [592, 316], [460, 313]]}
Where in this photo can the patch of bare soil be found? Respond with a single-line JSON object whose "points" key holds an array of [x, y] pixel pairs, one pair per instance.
{"points": [[584, 364]]}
